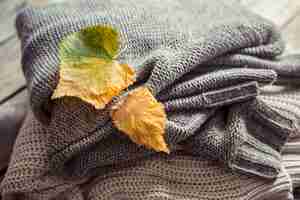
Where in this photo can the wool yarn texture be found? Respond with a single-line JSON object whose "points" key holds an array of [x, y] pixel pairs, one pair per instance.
{"points": [[210, 63]]}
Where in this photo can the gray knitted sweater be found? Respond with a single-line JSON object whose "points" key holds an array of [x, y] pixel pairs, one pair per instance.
{"points": [[206, 61]]}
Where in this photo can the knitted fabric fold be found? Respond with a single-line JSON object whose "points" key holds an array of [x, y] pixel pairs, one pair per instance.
{"points": [[287, 100], [164, 54], [174, 176], [252, 150], [207, 62]]}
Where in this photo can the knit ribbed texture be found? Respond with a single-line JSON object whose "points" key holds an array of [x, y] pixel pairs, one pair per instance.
{"points": [[206, 61], [287, 101], [175, 176]]}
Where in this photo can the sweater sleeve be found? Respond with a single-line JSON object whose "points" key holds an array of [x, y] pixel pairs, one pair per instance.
{"points": [[247, 137]]}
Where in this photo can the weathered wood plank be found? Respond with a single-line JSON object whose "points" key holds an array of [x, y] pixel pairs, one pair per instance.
{"points": [[11, 76], [42, 2], [7, 18], [291, 34], [17, 97], [281, 12]]}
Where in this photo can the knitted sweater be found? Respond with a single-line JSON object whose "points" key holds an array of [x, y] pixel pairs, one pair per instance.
{"points": [[206, 61]]}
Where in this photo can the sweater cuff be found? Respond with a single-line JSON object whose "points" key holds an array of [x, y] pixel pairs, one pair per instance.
{"points": [[265, 132], [256, 158], [247, 137]]}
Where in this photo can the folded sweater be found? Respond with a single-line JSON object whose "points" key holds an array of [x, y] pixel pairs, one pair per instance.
{"points": [[175, 176], [206, 61]]}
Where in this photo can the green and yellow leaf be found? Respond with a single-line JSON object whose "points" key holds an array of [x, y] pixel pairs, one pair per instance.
{"points": [[89, 69]]}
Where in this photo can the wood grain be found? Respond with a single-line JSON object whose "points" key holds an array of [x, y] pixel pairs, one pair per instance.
{"points": [[11, 77], [291, 34], [281, 12], [7, 18]]}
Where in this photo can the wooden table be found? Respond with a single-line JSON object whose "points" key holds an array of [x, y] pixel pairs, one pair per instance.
{"points": [[12, 82], [284, 13]]}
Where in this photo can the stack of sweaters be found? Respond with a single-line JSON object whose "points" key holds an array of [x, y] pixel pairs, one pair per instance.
{"points": [[232, 103]]}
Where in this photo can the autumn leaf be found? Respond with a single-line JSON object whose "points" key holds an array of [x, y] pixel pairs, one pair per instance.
{"points": [[89, 69], [142, 118]]}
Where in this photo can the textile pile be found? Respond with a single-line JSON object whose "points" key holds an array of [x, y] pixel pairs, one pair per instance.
{"points": [[232, 103]]}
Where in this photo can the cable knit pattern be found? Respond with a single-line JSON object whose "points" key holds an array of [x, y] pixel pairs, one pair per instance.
{"points": [[208, 62]]}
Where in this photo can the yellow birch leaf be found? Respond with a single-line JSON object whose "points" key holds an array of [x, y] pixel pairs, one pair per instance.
{"points": [[88, 68], [142, 118]]}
